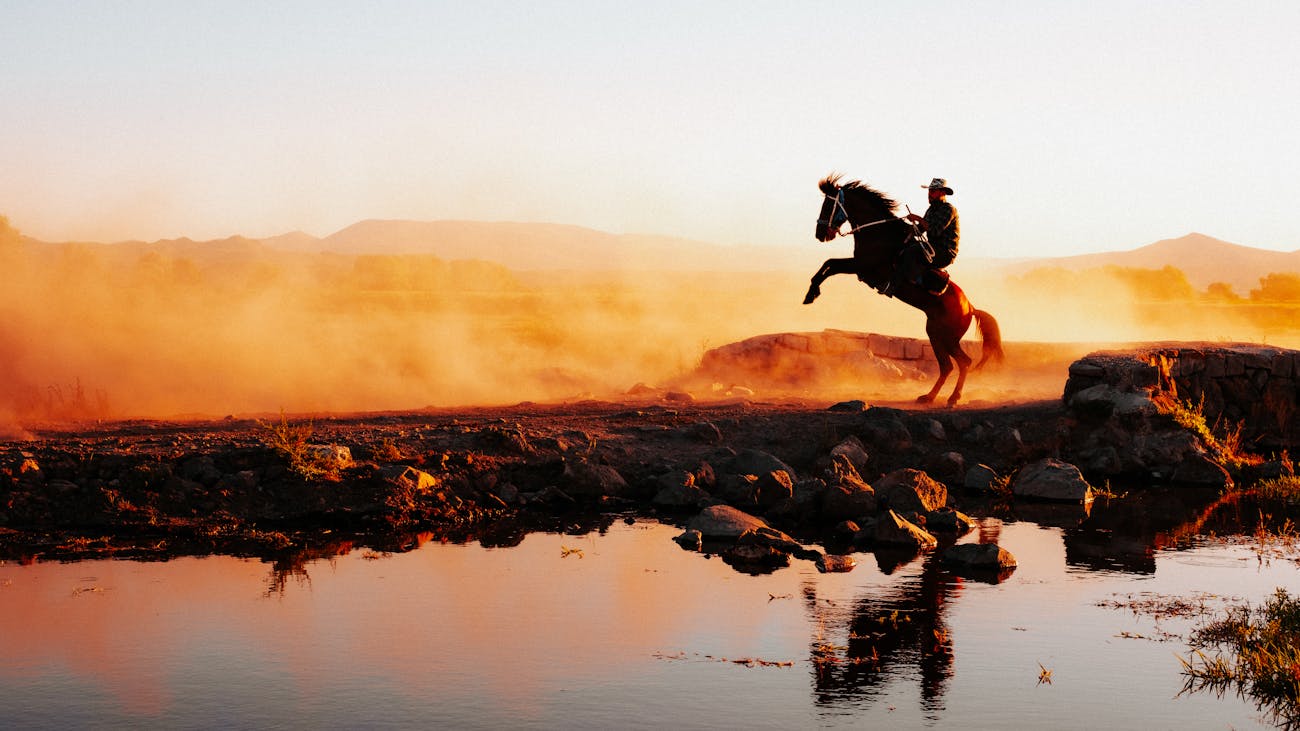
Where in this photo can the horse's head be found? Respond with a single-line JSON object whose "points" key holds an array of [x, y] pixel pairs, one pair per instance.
{"points": [[832, 215], [851, 202]]}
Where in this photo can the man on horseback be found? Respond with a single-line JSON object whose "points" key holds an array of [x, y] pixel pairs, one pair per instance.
{"points": [[931, 251]]}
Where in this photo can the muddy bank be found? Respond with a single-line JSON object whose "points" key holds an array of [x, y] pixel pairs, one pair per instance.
{"points": [[829, 474]]}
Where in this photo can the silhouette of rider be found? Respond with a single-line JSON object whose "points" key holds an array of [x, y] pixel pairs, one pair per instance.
{"points": [[938, 247]]}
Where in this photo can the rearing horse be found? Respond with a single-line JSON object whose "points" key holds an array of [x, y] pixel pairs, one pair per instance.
{"points": [[878, 238]]}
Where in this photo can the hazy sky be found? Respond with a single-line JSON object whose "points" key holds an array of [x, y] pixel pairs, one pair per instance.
{"points": [[1063, 126]]}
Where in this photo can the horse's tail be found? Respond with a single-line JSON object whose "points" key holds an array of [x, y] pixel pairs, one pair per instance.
{"points": [[991, 335]]}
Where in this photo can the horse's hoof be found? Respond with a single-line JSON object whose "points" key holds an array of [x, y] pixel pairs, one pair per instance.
{"points": [[924, 399], [810, 297]]}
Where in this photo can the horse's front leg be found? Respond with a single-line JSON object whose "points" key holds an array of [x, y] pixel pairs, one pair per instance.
{"points": [[830, 268]]}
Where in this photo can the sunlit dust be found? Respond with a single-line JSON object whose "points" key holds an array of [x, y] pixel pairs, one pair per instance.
{"points": [[154, 330]]}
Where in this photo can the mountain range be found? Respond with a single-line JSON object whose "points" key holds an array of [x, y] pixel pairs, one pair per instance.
{"points": [[1202, 258], [552, 247]]}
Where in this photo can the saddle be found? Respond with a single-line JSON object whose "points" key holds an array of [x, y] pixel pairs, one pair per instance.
{"points": [[922, 271], [935, 281]]}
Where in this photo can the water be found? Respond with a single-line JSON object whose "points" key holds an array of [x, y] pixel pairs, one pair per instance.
{"points": [[628, 631]]}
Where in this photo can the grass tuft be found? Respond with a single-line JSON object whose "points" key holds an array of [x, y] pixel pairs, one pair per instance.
{"points": [[1223, 442], [1260, 656], [293, 442]]}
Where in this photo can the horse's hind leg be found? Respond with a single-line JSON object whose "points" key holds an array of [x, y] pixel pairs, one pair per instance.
{"points": [[829, 268], [945, 367], [963, 365]]}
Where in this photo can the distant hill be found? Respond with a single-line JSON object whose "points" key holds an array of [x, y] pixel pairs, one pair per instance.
{"points": [[548, 247], [555, 246], [1202, 258]]}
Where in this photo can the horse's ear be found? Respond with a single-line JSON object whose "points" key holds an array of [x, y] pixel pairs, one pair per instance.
{"points": [[830, 184]]}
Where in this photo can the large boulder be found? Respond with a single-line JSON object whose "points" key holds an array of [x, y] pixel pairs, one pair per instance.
{"points": [[1052, 479], [910, 491], [724, 521]]}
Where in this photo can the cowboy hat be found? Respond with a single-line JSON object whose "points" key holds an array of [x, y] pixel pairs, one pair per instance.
{"points": [[941, 184]]}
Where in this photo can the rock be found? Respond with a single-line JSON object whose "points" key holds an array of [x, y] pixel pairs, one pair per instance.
{"points": [[641, 389], [835, 564], [947, 520], [330, 456], [1103, 400], [755, 462], [852, 450], [1007, 441], [772, 488], [909, 490], [845, 530], [62, 487], [1052, 479], [724, 521], [809, 491], [752, 555], [201, 469], [893, 530], [739, 489], [1100, 460], [679, 397], [1199, 469], [980, 478], [678, 490], [551, 495], [691, 540], [854, 405], [409, 478], [849, 499], [510, 438], [585, 479], [949, 467], [934, 430], [979, 556], [705, 479], [885, 430], [772, 538], [508, 493], [704, 432]]}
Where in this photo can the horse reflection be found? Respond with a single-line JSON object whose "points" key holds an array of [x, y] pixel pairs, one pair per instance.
{"points": [[883, 633]]}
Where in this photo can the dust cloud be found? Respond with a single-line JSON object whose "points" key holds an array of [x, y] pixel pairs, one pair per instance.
{"points": [[96, 331]]}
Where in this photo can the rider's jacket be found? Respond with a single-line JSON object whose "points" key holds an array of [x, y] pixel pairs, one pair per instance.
{"points": [[943, 232]]}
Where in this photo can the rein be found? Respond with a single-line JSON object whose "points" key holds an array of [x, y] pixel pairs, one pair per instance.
{"points": [[839, 208]]}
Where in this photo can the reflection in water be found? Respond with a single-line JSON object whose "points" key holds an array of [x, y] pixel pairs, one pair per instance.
{"points": [[887, 633], [890, 632], [455, 634]]}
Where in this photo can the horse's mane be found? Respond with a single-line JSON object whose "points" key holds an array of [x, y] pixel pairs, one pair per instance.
{"points": [[831, 184]]}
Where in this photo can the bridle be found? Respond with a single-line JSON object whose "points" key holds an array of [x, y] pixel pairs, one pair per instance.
{"points": [[841, 214]]}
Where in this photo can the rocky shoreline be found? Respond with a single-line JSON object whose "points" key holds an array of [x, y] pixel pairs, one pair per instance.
{"points": [[823, 480]]}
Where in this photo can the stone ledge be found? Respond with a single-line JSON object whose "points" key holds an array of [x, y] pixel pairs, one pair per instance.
{"points": [[1257, 386]]}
